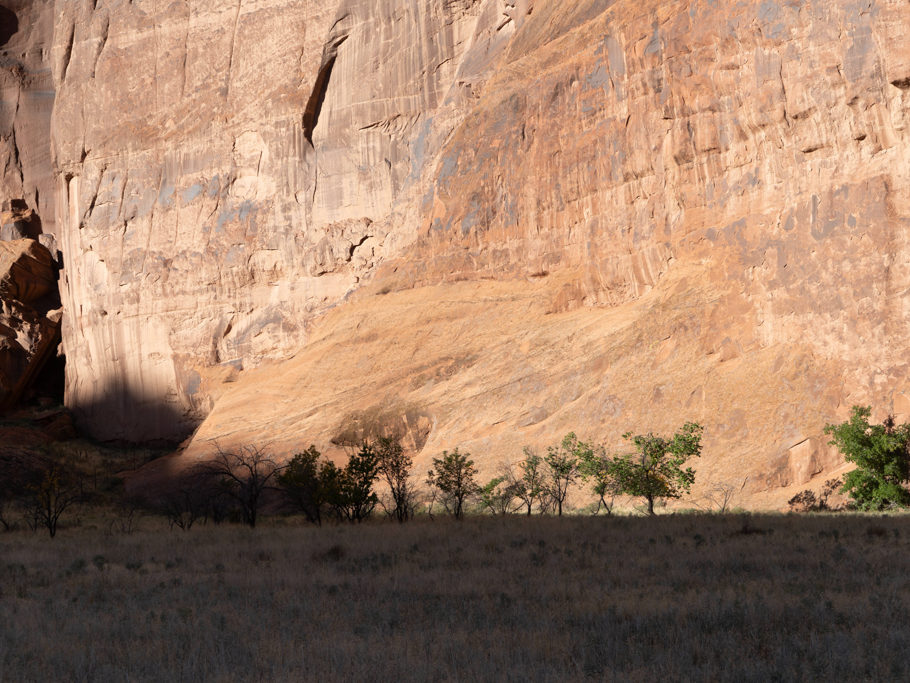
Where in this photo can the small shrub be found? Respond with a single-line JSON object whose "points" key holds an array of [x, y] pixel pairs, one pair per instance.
{"points": [[804, 501], [808, 501]]}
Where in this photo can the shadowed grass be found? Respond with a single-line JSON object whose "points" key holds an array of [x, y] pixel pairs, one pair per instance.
{"points": [[695, 597]]}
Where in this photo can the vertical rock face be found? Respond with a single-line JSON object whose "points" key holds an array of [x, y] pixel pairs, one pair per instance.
{"points": [[28, 282], [225, 171], [714, 188], [26, 105], [766, 143]]}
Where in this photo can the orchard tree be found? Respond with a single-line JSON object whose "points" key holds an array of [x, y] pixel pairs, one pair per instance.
{"points": [[656, 469], [881, 454], [561, 468], [350, 490], [498, 495], [453, 475], [596, 467], [528, 482]]}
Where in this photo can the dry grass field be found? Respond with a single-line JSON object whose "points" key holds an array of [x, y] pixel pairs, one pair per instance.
{"points": [[675, 597]]}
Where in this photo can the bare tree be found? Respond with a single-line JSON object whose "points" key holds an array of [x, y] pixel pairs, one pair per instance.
{"points": [[55, 492], [243, 475], [125, 515], [20, 470], [395, 468], [722, 494], [189, 500]]}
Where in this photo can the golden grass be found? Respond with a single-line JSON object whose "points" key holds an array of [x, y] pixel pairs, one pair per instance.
{"points": [[676, 597]]}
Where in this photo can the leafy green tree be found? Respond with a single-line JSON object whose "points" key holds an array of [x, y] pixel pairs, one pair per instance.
{"points": [[395, 468], [656, 469], [595, 466], [881, 454], [528, 483], [561, 468], [350, 490], [498, 495], [453, 475], [303, 486]]}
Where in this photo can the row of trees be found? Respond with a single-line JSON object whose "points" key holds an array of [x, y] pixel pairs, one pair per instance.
{"points": [[318, 488], [236, 484], [656, 469]]}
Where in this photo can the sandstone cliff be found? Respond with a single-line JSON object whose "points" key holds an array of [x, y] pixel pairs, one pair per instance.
{"points": [[227, 170], [485, 221], [28, 278]]}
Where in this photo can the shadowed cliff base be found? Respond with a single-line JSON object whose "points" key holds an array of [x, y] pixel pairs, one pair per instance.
{"points": [[128, 417]]}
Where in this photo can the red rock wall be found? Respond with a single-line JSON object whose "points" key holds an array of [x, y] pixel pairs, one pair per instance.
{"points": [[716, 191], [730, 180]]}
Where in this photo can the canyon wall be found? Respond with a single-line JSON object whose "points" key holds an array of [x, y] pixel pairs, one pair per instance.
{"points": [[26, 106], [677, 210], [227, 170], [29, 302], [479, 222]]}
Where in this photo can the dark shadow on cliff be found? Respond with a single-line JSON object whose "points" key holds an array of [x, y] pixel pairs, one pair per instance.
{"points": [[122, 416], [48, 385], [9, 25]]}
